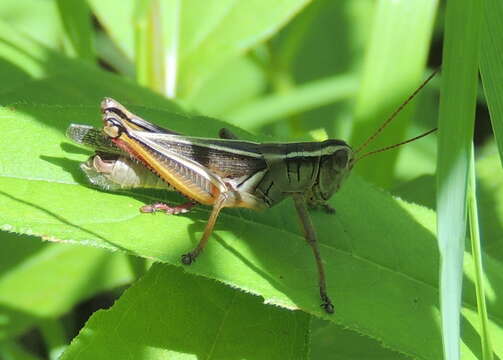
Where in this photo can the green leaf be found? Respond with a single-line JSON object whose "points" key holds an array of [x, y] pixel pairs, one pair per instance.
{"points": [[401, 31], [455, 146], [491, 66], [187, 317], [211, 32], [330, 341], [40, 281], [380, 252]]}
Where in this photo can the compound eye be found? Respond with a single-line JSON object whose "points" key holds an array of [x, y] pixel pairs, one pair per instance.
{"points": [[341, 158]]}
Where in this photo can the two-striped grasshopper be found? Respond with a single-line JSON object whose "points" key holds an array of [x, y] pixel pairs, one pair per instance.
{"points": [[224, 172]]}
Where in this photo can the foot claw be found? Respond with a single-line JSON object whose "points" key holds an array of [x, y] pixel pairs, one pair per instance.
{"points": [[147, 209], [327, 305], [188, 258]]}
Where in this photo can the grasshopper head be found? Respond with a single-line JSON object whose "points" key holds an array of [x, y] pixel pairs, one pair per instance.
{"points": [[335, 164]]}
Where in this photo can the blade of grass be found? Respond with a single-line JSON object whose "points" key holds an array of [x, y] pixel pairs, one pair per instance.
{"points": [[456, 119], [35, 18], [473, 218], [268, 109], [79, 35], [214, 32], [109, 52], [491, 66], [394, 66], [288, 50], [149, 45], [172, 11]]}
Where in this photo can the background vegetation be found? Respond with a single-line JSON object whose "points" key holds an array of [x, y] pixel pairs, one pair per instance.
{"points": [[283, 70]]}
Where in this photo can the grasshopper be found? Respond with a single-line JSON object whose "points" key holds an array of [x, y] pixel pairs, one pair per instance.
{"points": [[220, 172]]}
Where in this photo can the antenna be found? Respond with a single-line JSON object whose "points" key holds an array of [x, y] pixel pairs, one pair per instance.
{"points": [[395, 145], [393, 116]]}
